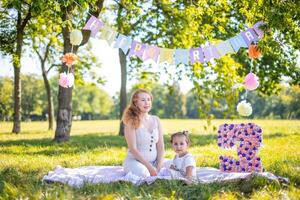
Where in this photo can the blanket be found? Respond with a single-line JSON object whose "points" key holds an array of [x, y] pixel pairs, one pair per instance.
{"points": [[77, 177]]}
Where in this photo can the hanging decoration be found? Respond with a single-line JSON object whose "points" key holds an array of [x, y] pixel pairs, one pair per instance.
{"points": [[254, 51], [251, 81], [245, 39], [69, 59], [177, 56], [244, 108], [66, 80], [76, 37]]}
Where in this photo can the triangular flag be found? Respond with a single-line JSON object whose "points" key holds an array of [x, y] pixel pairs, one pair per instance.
{"points": [[237, 42], [196, 55], [151, 52], [249, 36], [108, 34], [224, 47], [166, 55], [123, 42], [181, 56], [258, 30], [93, 24], [137, 49], [210, 52]]}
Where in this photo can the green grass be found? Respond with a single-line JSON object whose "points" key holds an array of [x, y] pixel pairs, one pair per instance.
{"points": [[25, 158]]}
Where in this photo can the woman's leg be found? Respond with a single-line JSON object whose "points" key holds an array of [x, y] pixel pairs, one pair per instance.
{"points": [[135, 167]]}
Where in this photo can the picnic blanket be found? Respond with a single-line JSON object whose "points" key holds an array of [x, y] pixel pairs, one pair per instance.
{"points": [[77, 177]]}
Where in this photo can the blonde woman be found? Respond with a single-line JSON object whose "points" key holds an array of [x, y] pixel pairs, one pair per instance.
{"points": [[144, 136]]}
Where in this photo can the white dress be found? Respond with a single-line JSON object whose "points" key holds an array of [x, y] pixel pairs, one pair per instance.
{"points": [[181, 163], [146, 144]]}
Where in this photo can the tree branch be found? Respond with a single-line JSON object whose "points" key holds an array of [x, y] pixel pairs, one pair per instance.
{"points": [[38, 53], [26, 19], [86, 33], [47, 51], [53, 65]]}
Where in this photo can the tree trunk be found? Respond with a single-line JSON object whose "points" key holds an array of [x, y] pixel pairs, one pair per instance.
{"points": [[123, 95], [17, 99], [64, 112], [17, 80], [64, 115], [49, 98]]}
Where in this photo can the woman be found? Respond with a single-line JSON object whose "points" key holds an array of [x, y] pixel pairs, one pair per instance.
{"points": [[144, 137]]}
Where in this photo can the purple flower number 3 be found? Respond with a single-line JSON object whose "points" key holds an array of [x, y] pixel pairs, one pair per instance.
{"points": [[247, 137]]}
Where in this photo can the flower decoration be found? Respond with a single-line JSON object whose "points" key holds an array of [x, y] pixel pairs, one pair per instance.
{"points": [[69, 59], [254, 51], [247, 137], [244, 108], [251, 81], [66, 80], [76, 37]]}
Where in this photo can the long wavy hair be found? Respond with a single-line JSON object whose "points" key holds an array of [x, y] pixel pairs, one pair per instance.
{"points": [[131, 115]]}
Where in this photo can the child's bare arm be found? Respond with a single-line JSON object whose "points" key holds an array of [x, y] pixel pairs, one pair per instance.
{"points": [[189, 172]]}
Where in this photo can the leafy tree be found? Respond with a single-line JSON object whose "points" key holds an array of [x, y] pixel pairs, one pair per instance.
{"points": [[15, 16], [6, 98], [69, 13], [91, 102], [33, 96], [186, 24]]}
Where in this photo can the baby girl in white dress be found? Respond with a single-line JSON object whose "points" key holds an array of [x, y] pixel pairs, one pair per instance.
{"points": [[183, 165]]}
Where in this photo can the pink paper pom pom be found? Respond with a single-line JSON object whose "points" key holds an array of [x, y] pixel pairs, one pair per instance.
{"points": [[251, 81], [66, 80]]}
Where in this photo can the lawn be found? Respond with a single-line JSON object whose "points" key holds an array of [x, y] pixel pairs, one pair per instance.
{"points": [[25, 158]]}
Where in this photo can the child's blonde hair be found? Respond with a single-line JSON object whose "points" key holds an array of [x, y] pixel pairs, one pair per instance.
{"points": [[181, 133]]}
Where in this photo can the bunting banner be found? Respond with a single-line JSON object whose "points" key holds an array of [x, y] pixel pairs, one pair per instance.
{"points": [[94, 25], [123, 42], [166, 55], [175, 56]]}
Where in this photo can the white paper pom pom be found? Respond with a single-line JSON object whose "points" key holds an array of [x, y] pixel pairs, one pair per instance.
{"points": [[76, 37], [244, 108]]}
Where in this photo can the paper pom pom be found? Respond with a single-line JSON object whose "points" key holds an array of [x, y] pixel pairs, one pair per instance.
{"points": [[244, 108], [66, 80], [253, 51], [69, 59], [251, 81], [76, 37]]}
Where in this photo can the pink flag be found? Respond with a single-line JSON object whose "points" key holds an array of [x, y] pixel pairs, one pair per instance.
{"points": [[249, 36], [137, 49], [94, 25], [151, 52]]}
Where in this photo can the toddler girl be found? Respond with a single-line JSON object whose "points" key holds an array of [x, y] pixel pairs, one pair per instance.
{"points": [[183, 165]]}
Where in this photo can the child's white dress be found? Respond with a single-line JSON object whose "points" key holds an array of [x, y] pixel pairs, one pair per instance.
{"points": [[181, 163], [146, 145]]}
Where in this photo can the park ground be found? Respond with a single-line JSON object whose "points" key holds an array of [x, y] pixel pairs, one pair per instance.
{"points": [[25, 158]]}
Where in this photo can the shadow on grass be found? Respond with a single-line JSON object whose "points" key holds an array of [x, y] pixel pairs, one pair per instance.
{"points": [[84, 143]]}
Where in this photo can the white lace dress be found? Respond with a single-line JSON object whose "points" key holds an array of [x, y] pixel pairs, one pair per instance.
{"points": [[146, 144]]}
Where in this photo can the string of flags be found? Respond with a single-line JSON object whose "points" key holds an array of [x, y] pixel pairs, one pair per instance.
{"points": [[130, 47], [173, 56]]}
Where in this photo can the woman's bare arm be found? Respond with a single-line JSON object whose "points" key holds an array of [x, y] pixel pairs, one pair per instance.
{"points": [[160, 146]]}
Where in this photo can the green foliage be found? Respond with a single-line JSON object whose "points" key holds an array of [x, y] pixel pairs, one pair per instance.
{"points": [[6, 98], [91, 102], [187, 24], [28, 159], [33, 96]]}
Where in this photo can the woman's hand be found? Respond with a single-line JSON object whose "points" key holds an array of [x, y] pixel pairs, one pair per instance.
{"points": [[159, 166], [152, 170]]}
